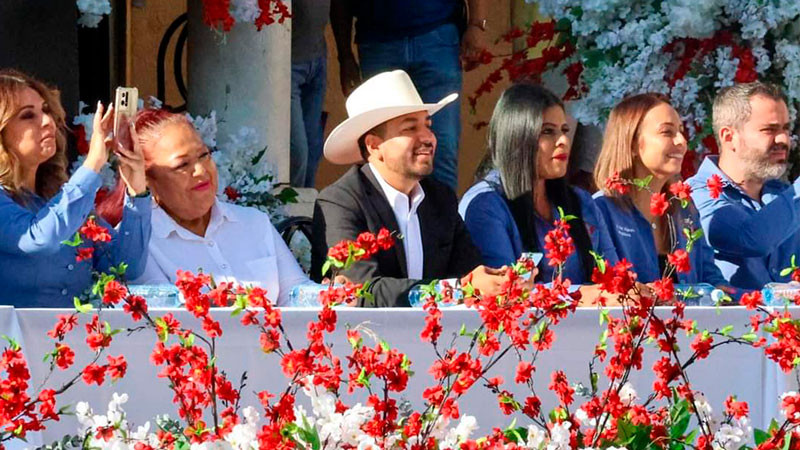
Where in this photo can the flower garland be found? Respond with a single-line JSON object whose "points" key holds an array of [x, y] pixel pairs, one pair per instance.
{"points": [[607, 50], [218, 14]]}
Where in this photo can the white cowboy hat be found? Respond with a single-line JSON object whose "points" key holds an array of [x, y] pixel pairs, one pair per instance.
{"points": [[379, 99]]}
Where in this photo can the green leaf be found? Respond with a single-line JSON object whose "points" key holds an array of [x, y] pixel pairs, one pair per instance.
{"points": [[750, 337], [363, 378], [80, 307], [642, 183], [594, 379], [787, 441], [786, 271], [598, 261], [794, 265], [603, 316], [288, 195], [12, 343], [326, 267], [726, 330], [161, 327], [760, 436], [75, 241], [463, 330]]}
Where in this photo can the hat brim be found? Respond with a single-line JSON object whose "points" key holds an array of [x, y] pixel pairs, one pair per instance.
{"points": [[341, 147]]}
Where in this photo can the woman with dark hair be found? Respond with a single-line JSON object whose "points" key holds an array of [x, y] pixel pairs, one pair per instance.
{"points": [[523, 185], [40, 207], [645, 138]]}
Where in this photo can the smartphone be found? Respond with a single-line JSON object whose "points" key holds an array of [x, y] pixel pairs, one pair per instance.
{"points": [[126, 102]]}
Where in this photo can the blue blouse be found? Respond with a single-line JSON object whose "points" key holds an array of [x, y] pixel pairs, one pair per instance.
{"points": [[37, 270], [633, 238], [495, 233]]}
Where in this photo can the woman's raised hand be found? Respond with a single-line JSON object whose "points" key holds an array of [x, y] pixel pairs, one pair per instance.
{"points": [[130, 156], [101, 138]]}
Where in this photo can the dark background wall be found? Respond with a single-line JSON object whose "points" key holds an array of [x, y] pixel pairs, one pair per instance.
{"points": [[42, 38]]}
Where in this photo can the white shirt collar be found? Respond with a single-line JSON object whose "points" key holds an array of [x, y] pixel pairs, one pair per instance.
{"points": [[399, 201], [163, 225]]}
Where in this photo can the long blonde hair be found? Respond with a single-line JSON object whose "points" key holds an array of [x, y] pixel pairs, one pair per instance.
{"points": [[51, 174], [619, 141]]}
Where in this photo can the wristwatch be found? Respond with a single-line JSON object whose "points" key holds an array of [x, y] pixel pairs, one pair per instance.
{"points": [[480, 24], [143, 194]]}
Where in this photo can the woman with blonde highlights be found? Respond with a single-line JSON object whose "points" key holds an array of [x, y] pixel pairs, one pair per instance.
{"points": [[40, 206], [644, 139]]}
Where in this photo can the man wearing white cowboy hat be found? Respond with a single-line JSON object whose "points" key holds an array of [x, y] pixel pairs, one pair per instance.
{"points": [[388, 136]]}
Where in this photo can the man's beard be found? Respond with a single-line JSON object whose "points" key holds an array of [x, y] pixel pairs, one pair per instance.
{"points": [[760, 166]]}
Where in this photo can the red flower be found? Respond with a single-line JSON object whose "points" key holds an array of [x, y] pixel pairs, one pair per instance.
{"points": [[80, 139], [94, 232], [524, 372], [715, 185], [752, 300], [616, 184], [665, 289], [532, 406], [114, 292], [117, 366], [735, 408], [231, 193], [658, 204], [679, 259], [136, 306], [558, 243], [65, 356], [790, 404], [84, 253], [702, 345], [560, 385], [94, 374], [64, 325], [681, 190]]}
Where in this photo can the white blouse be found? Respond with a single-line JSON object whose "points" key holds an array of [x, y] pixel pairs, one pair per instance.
{"points": [[241, 245]]}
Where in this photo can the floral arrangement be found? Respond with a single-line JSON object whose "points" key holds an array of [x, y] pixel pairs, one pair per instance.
{"points": [[244, 177], [602, 412], [92, 12], [223, 14], [218, 14], [607, 50]]}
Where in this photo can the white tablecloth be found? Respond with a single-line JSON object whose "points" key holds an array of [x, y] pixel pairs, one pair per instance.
{"points": [[739, 370]]}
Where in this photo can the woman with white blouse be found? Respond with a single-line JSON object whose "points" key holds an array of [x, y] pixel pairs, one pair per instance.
{"points": [[192, 229]]}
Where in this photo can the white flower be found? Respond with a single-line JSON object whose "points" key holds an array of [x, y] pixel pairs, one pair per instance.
{"points": [[559, 436], [92, 12], [536, 437], [207, 127], [732, 436], [245, 10], [461, 433], [627, 394]]}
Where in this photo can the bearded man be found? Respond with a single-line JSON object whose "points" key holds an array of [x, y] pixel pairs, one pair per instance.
{"points": [[749, 216]]}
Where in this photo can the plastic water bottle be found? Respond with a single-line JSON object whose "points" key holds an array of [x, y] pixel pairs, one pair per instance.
{"points": [[700, 294], [158, 295], [417, 298], [306, 295], [779, 294]]}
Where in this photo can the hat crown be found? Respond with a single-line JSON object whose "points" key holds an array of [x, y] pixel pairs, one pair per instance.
{"points": [[386, 89]]}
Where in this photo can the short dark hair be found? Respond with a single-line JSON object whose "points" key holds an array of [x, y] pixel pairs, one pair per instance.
{"points": [[378, 130]]}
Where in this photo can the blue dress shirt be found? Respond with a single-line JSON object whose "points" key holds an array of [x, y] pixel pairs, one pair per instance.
{"points": [[37, 270], [633, 237], [495, 233], [754, 240]]}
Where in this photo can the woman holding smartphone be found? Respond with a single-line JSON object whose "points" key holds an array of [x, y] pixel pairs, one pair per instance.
{"points": [[523, 185], [40, 206]]}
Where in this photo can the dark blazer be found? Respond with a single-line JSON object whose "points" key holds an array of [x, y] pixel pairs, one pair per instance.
{"points": [[356, 203]]}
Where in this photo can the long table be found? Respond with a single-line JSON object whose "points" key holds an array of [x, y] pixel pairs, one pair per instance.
{"points": [[732, 369]]}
